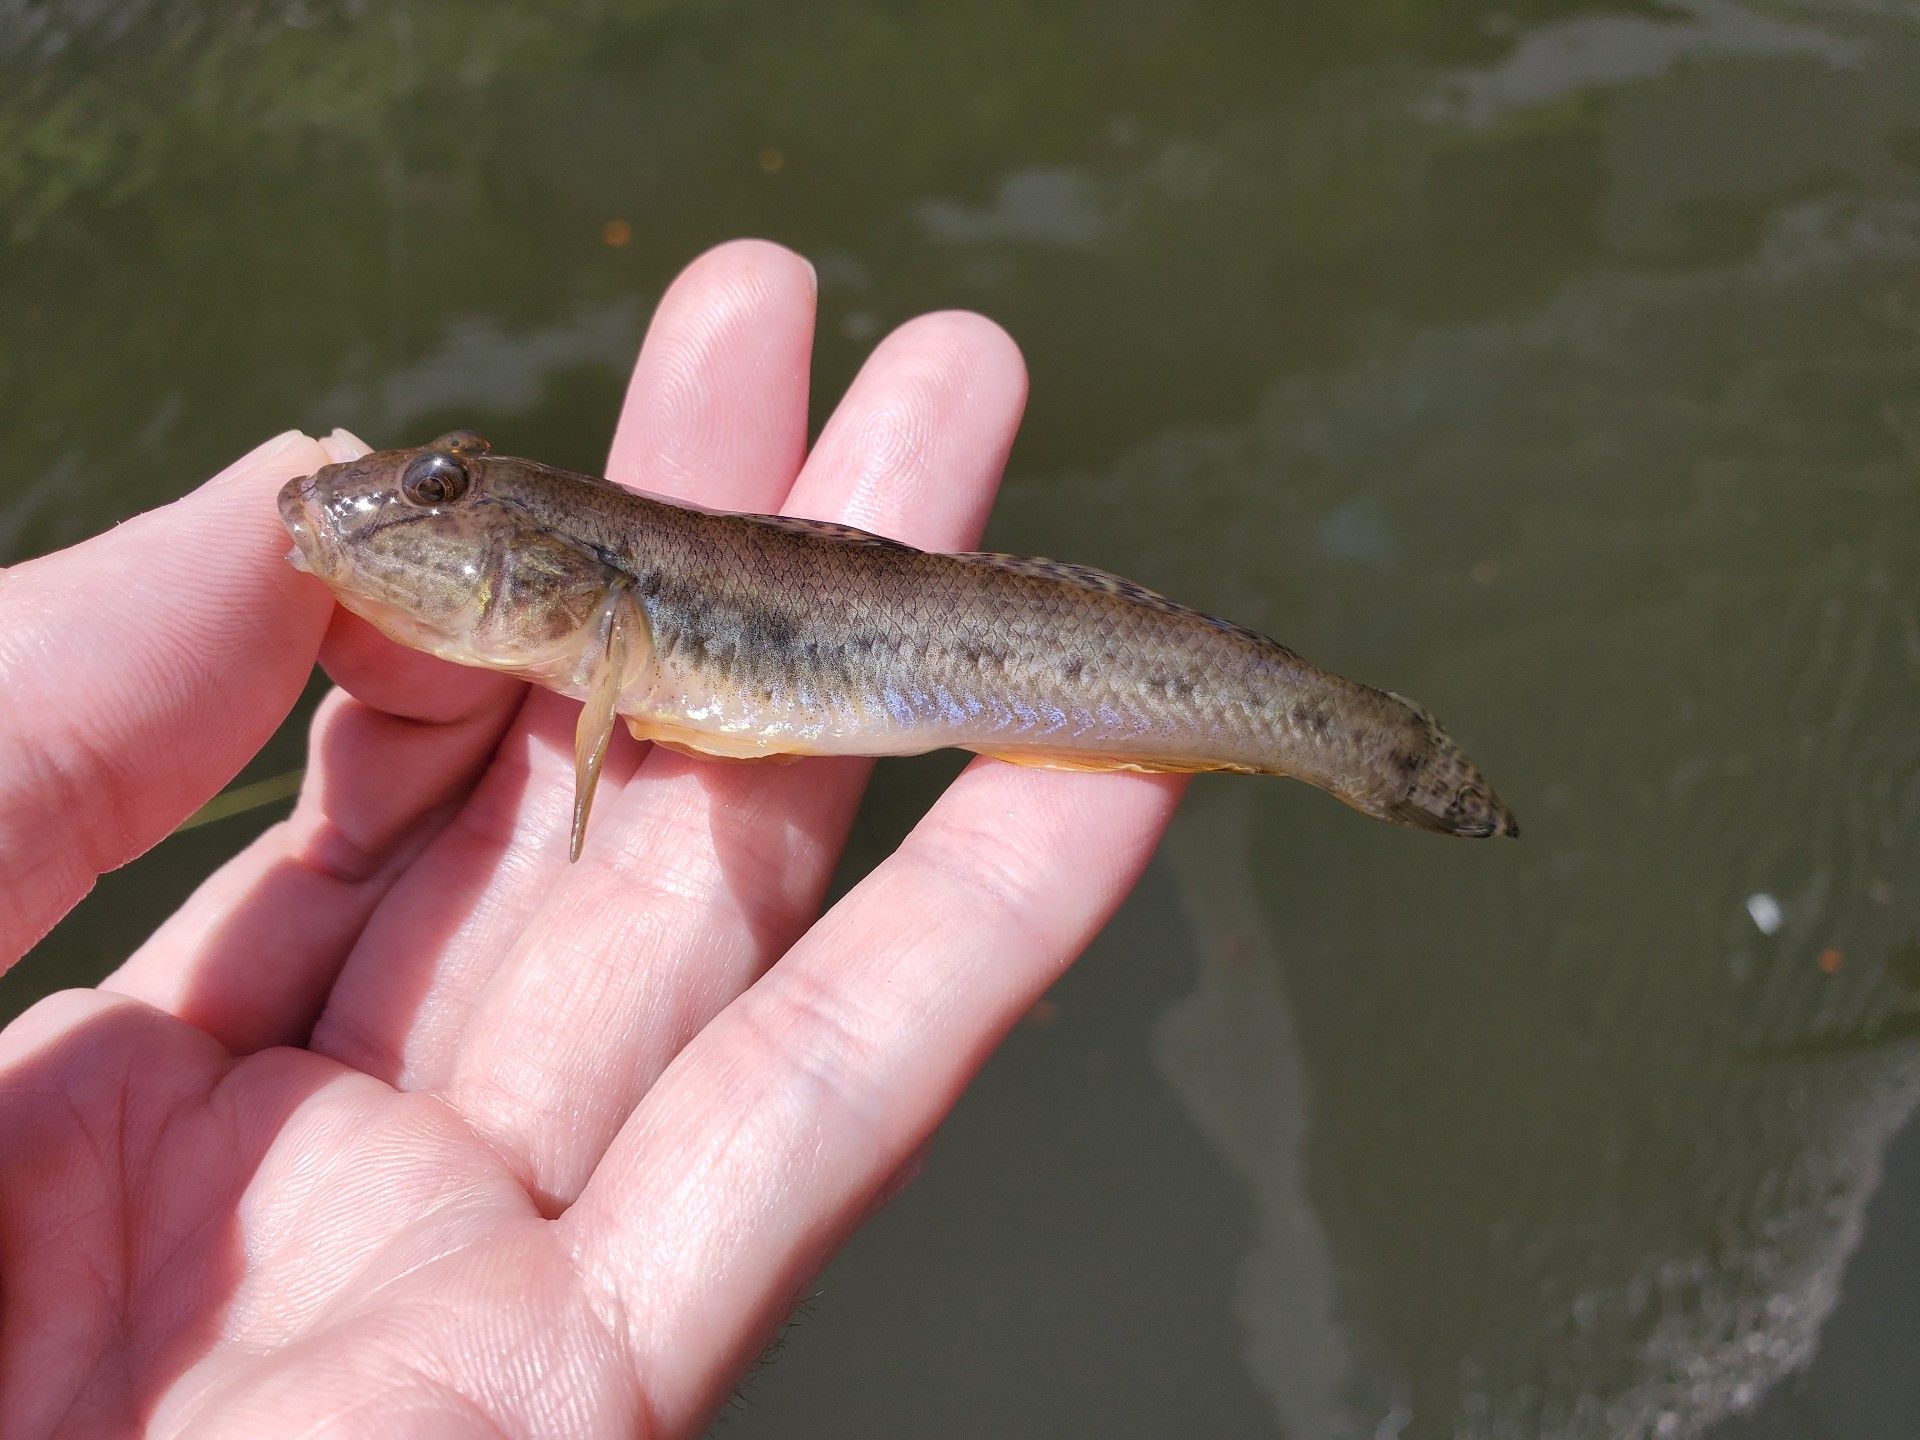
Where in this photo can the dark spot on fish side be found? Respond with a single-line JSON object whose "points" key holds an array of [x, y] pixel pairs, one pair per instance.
{"points": [[770, 628]]}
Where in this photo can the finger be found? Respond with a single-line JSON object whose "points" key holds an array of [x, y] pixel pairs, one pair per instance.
{"points": [[771, 1133], [700, 873], [409, 683], [385, 764], [253, 953], [142, 669], [916, 449], [717, 412]]}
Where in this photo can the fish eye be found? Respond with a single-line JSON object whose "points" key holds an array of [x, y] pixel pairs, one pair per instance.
{"points": [[435, 478]]}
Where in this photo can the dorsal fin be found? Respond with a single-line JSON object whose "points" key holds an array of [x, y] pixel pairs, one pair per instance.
{"points": [[829, 529], [1089, 577]]}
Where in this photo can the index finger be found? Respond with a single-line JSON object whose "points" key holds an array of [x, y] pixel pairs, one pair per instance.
{"points": [[141, 670]]}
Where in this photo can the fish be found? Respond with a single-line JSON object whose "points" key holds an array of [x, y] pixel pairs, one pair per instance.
{"points": [[765, 637]]}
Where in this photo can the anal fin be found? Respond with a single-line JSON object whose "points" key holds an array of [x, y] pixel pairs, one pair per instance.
{"points": [[698, 745], [1093, 761]]}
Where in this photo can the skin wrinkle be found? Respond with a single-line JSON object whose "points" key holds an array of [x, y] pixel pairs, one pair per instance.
{"points": [[646, 1011], [496, 834], [812, 1030], [9, 1317], [965, 860], [517, 1382], [578, 993], [444, 1008], [36, 899], [458, 1194], [114, 1284], [337, 840], [612, 1319], [321, 847], [758, 841], [522, 788], [387, 1404], [70, 775], [450, 1197]]}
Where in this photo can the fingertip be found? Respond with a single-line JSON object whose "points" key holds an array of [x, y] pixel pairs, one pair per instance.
{"points": [[239, 504], [341, 444], [969, 341], [916, 449], [746, 266], [716, 409], [277, 459]]}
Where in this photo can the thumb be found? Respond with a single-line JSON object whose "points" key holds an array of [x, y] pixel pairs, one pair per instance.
{"points": [[138, 672]]}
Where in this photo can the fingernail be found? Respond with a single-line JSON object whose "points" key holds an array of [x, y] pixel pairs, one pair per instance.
{"points": [[343, 444], [278, 445]]}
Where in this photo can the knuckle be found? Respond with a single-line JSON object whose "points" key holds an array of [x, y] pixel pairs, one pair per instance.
{"points": [[821, 1043]]}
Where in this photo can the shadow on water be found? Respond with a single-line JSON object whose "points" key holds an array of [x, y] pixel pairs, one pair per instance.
{"points": [[1554, 364]]}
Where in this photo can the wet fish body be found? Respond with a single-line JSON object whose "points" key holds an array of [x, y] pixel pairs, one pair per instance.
{"points": [[754, 636]]}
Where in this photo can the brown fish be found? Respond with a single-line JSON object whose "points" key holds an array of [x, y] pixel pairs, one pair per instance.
{"points": [[751, 636]]}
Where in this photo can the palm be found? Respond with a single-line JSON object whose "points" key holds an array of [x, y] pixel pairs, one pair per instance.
{"points": [[267, 1238], [402, 1116]]}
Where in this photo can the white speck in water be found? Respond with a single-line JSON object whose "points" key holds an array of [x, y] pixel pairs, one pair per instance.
{"points": [[1765, 911]]}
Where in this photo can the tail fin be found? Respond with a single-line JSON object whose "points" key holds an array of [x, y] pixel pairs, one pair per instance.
{"points": [[1445, 791]]}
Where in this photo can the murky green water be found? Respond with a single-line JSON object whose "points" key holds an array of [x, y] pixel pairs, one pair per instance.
{"points": [[1557, 364]]}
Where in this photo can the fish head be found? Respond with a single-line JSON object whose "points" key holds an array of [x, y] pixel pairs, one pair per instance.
{"points": [[439, 547]]}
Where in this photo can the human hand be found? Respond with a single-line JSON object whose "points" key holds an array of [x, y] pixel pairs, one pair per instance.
{"points": [[403, 1126]]}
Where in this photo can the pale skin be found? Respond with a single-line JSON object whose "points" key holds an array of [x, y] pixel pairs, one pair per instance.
{"points": [[402, 1126]]}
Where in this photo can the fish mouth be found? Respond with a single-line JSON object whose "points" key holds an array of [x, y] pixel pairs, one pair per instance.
{"points": [[301, 517]]}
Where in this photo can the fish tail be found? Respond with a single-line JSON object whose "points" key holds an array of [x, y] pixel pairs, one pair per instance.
{"points": [[1437, 787]]}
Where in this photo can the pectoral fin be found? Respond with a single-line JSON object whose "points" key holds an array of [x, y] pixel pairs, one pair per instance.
{"points": [[623, 632]]}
